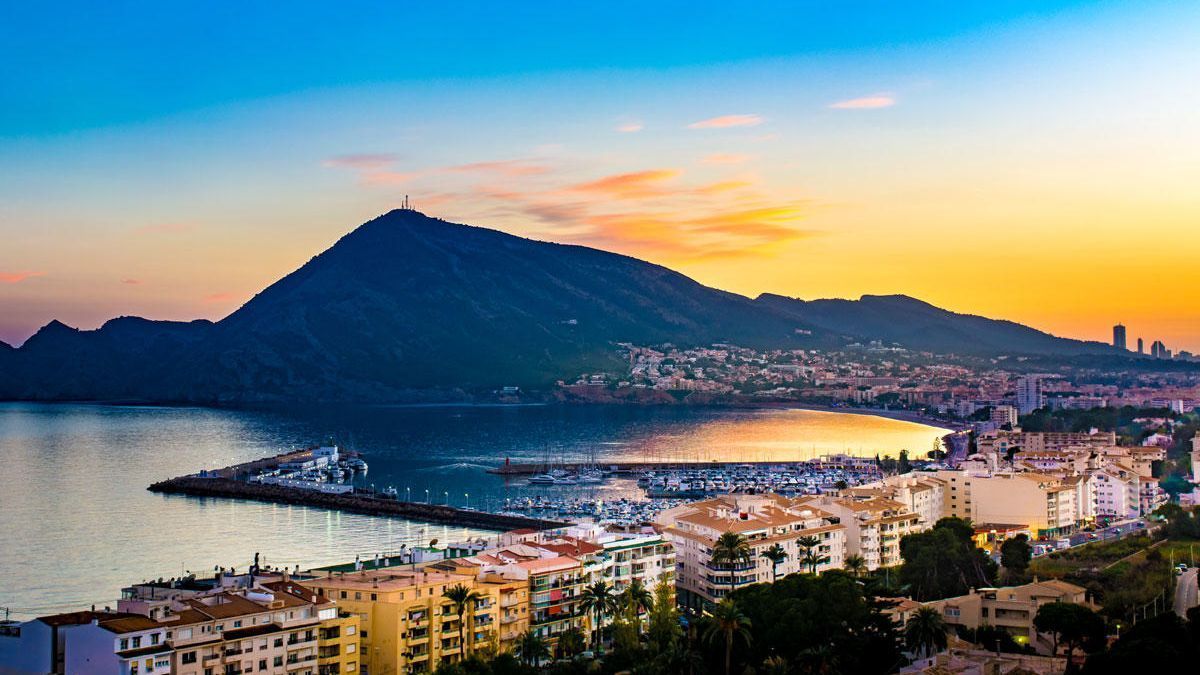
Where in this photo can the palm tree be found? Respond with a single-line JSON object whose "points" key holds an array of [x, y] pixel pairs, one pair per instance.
{"points": [[635, 599], [726, 621], [570, 642], [925, 632], [598, 597], [531, 648], [775, 665], [461, 597], [776, 555], [729, 550], [812, 558], [856, 565]]}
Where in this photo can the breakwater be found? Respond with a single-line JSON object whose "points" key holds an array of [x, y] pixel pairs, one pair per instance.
{"points": [[352, 502]]}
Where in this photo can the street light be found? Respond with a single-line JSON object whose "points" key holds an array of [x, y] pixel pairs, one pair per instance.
{"points": [[467, 496], [427, 496]]}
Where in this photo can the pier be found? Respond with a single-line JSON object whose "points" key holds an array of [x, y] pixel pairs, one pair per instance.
{"points": [[369, 504], [243, 481]]}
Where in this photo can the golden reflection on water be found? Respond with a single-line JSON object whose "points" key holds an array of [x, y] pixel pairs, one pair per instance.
{"points": [[784, 435]]}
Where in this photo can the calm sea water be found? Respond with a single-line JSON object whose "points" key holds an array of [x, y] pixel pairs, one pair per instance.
{"points": [[76, 522]]}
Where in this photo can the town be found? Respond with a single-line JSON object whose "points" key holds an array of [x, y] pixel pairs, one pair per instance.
{"points": [[1020, 505]]}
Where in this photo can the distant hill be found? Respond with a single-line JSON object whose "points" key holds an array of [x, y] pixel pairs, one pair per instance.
{"points": [[919, 325], [408, 307]]}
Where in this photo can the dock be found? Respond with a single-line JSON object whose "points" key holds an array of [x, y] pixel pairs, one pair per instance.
{"points": [[352, 502]]}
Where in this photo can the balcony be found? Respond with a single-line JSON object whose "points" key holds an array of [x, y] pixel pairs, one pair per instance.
{"points": [[301, 640]]}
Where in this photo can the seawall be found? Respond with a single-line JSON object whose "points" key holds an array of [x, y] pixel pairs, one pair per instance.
{"points": [[195, 486]]}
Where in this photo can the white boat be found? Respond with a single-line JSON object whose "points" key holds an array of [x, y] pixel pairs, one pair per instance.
{"points": [[543, 479]]}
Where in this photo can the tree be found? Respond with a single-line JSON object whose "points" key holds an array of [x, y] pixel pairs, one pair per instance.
{"points": [[460, 596], [571, 642], [925, 632], [827, 623], [726, 621], [532, 649], [663, 617], [1072, 625], [1015, 555], [776, 555], [731, 550], [811, 557], [902, 464], [598, 598], [855, 564], [635, 599], [944, 562]]}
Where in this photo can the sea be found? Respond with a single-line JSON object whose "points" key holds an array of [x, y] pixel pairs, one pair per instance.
{"points": [[77, 523]]}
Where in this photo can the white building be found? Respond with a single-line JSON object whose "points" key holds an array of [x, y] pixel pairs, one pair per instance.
{"points": [[1029, 394]]}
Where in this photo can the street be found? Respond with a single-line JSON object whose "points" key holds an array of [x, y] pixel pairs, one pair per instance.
{"points": [[1185, 592]]}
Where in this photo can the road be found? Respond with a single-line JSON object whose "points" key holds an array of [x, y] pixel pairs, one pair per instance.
{"points": [[1103, 534], [1186, 592]]}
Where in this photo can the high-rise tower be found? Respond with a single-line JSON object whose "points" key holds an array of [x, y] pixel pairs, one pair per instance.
{"points": [[1119, 337]]}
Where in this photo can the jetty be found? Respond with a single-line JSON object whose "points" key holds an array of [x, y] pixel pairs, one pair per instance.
{"points": [[367, 503], [253, 481]]}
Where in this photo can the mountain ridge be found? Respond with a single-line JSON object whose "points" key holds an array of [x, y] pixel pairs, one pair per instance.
{"points": [[406, 307]]}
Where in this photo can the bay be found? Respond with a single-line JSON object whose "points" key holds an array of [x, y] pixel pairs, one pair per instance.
{"points": [[77, 524]]}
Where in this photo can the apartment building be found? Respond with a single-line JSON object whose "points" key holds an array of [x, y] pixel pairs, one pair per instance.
{"points": [[406, 624], [764, 520], [874, 527], [1043, 503], [219, 631], [1011, 609]]}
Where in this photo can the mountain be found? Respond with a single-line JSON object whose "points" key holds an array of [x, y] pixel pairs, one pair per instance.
{"points": [[919, 325], [408, 307], [404, 307]]}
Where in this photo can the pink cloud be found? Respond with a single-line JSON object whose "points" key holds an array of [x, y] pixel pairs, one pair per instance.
{"points": [[131, 282], [628, 185], [387, 177], [361, 162], [726, 121], [218, 298], [723, 158], [865, 102], [17, 277], [507, 167], [630, 127]]}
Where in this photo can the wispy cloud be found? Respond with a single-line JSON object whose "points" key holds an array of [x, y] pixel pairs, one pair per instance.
{"points": [[634, 185], [215, 298], [362, 162], [506, 167], [865, 102], [386, 177], [630, 127], [17, 277], [725, 158], [726, 121], [131, 282], [164, 228]]}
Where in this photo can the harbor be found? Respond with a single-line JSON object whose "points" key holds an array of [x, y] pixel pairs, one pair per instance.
{"points": [[317, 477]]}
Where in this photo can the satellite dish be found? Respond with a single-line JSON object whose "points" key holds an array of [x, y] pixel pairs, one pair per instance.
{"points": [[432, 543]]}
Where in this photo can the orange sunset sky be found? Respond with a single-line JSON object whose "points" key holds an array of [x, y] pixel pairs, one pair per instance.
{"points": [[1038, 162]]}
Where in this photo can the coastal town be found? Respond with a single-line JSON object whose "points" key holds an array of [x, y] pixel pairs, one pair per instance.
{"points": [[563, 590]]}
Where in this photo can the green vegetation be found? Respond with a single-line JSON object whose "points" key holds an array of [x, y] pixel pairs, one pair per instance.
{"points": [[1164, 644], [944, 562], [1015, 556], [925, 632], [1072, 626]]}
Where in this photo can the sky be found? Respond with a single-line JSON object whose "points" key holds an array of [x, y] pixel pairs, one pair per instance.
{"points": [[1033, 161]]}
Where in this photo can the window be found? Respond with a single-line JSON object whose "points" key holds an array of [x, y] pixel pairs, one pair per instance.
{"points": [[278, 661], [350, 648], [188, 657], [350, 630], [154, 638], [278, 642], [124, 644], [262, 664], [343, 595], [373, 597], [137, 642], [357, 595], [237, 624]]}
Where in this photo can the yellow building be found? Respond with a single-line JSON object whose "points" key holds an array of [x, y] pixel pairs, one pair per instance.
{"points": [[406, 623]]}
